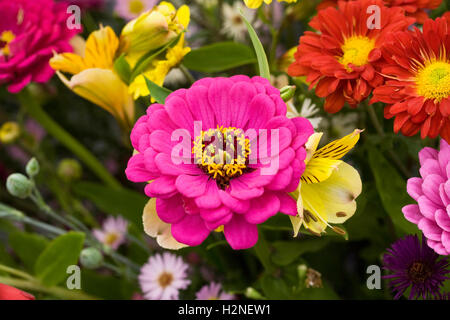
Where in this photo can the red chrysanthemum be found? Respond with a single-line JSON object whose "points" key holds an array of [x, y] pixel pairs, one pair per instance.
{"points": [[339, 58], [414, 8], [417, 90]]}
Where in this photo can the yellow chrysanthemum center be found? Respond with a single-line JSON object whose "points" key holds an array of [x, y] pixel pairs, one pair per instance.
{"points": [[5, 39], [165, 279], [356, 51], [222, 153], [110, 238], [433, 80], [136, 6]]}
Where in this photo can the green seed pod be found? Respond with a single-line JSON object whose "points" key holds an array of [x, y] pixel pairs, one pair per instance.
{"points": [[19, 185], [32, 168], [91, 258], [287, 93]]}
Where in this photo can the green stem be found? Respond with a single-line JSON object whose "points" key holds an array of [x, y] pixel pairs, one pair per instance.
{"points": [[262, 251], [59, 292], [35, 110], [15, 272]]}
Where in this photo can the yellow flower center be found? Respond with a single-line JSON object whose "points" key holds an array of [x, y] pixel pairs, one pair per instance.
{"points": [[136, 6], [433, 80], [222, 153], [5, 39], [165, 279], [356, 51], [110, 238]]}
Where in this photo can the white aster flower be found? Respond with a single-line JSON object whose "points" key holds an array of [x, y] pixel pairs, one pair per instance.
{"points": [[163, 276], [113, 232], [233, 24]]}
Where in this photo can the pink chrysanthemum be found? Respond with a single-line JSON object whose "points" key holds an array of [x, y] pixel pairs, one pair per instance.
{"points": [[432, 193], [30, 31], [217, 188], [113, 232], [213, 291], [130, 9], [163, 277]]}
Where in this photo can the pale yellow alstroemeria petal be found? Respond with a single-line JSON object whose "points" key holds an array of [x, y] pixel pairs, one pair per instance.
{"points": [[312, 144], [68, 62], [313, 208], [339, 148], [319, 169], [156, 228], [105, 89]]}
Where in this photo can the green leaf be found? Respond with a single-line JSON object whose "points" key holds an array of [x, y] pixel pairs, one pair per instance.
{"points": [[106, 287], [392, 190], [264, 69], [62, 252], [275, 288], [123, 69], [158, 93], [218, 57], [127, 203], [27, 246], [287, 252]]}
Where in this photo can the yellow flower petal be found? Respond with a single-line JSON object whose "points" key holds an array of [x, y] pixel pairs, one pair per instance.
{"points": [[156, 228], [338, 148], [254, 4], [319, 169], [184, 16]]}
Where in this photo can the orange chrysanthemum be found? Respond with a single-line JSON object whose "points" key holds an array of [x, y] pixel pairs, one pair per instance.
{"points": [[339, 58], [416, 66], [414, 8]]}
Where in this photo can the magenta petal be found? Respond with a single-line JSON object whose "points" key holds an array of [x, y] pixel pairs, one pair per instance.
{"points": [[218, 96], [166, 166], [430, 166], [262, 109], [139, 129], [427, 207], [240, 190], [170, 210], [444, 155], [136, 170], [210, 199], [214, 214], [213, 225], [191, 186], [430, 187], [263, 208], [197, 98], [412, 213], [240, 234], [443, 219], [161, 186], [427, 153], [236, 205], [430, 229], [191, 230], [179, 113], [414, 187], [240, 96], [446, 240], [304, 131], [287, 204], [282, 179]]}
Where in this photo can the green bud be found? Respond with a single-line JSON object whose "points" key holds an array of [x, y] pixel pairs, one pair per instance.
{"points": [[19, 185], [69, 170], [301, 272], [91, 258], [32, 168], [252, 293], [287, 93]]}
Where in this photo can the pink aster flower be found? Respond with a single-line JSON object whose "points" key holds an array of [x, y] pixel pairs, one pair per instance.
{"points": [[243, 157], [432, 193], [113, 232], [213, 291], [30, 31], [130, 9], [163, 277]]}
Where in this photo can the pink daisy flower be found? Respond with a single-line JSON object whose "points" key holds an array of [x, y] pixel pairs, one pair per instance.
{"points": [[113, 232], [130, 9], [432, 193], [163, 277], [213, 291], [241, 156], [30, 31]]}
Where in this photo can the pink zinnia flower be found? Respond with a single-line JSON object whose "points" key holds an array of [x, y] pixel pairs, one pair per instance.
{"points": [[163, 277], [130, 9], [432, 193], [113, 232], [30, 31], [213, 291], [203, 193]]}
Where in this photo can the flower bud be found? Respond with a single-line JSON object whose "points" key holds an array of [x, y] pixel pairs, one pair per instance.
{"points": [[69, 170], [91, 258], [32, 168], [152, 30], [287, 93], [251, 293], [19, 186], [9, 132]]}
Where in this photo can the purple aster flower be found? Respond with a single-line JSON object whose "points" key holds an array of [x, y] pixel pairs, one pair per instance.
{"points": [[432, 193], [417, 266], [213, 291]]}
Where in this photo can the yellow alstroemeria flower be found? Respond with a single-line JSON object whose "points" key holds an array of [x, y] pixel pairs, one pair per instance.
{"points": [[152, 30], [158, 229], [94, 78], [328, 187], [254, 4], [159, 69]]}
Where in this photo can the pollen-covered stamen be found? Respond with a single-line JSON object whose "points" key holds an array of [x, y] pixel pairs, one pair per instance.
{"points": [[222, 153], [5, 39], [433, 80], [356, 51]]}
